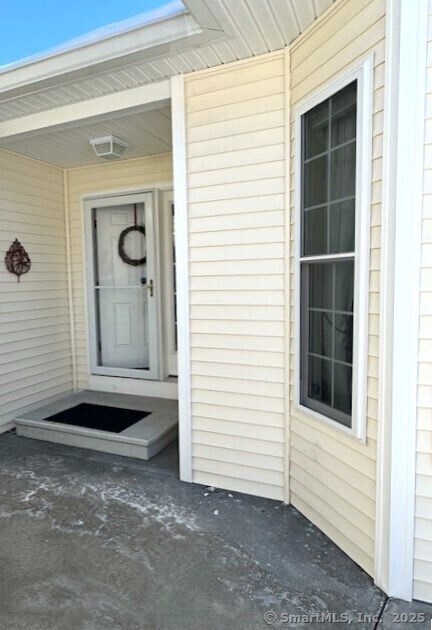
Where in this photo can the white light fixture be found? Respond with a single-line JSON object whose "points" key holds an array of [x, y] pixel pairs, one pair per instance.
{"points": [[109, 147]]}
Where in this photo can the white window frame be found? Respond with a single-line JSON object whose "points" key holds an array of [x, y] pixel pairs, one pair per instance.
{"points": [[362, 72]]}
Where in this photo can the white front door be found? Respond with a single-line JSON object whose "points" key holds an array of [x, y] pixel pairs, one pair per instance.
{"points": [[124, 287]]}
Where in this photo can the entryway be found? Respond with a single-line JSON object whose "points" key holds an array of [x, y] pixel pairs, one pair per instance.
{"points": [[130, 285]]}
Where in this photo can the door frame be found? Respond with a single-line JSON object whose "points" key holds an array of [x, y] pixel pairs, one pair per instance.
{"points": [[111, 200], [167, 242]]}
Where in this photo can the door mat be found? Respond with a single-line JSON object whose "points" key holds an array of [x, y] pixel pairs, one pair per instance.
{"points": [[100, 417]]}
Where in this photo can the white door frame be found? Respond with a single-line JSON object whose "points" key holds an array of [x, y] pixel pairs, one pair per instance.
{"points": [[166, 221], [154, 373]]}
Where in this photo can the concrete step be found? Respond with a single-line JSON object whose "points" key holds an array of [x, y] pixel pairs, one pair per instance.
{"points": [[142, 440]]}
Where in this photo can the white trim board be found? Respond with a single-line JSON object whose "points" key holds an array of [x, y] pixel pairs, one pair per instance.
{"points": [[182, 274], [404, 112]]}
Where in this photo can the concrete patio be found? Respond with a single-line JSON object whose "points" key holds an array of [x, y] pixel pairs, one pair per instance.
{"points": [[96, 541]]}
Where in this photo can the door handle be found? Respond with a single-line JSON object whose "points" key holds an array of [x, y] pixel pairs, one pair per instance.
{"points": [[150, 287]]}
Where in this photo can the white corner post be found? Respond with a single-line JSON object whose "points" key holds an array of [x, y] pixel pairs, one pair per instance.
{"points": [[404, 115], [182, 273]]}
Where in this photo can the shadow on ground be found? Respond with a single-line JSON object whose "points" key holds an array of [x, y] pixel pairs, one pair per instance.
{"points": [[90, 541]]}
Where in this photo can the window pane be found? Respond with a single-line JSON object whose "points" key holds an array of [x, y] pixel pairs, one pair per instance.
{"points": [[321, 285], [315, 182], [343, 335], [344, 111], [316, 124], [315, 231], [342, 172], [320, 333], [342, 227], [343, 388], [320, 380], [344, 289]]}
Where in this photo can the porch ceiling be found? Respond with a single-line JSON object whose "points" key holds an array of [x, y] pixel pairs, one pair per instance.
{"points": [[209, 33], [148, 133]]}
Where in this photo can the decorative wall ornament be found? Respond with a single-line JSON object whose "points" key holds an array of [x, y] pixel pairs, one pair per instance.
{"points": [[135, 262], [17, 260]]}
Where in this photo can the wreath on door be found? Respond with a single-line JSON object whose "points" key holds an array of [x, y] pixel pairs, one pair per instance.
{"points": [[134, 262]]}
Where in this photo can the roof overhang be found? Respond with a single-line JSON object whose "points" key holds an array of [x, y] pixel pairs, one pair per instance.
{"points": [[148, 36]]}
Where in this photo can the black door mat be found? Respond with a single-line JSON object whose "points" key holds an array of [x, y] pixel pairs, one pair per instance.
{"points": [[112, 419]]}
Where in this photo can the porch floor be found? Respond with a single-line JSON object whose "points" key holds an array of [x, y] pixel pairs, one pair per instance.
{"points": [[97, 541]]}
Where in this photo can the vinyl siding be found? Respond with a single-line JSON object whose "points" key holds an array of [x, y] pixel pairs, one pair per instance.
{"points": [[235, 121], [332, 476], [125, 175], [35, 349], [423, 509]]}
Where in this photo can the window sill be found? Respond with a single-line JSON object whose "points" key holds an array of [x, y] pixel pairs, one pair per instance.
{"points": [[329, 422]]}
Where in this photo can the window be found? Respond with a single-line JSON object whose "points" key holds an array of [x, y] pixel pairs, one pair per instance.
{"points": [[328, 255]]}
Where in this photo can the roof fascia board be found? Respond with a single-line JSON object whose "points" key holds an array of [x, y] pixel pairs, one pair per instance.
{"points": [[104, 55], [142, 98]]}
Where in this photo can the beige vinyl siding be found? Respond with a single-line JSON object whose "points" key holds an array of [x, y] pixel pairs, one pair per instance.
{"points": [[35, 349], [423, 508], [236, 185], [125, 175], [332, 476]]}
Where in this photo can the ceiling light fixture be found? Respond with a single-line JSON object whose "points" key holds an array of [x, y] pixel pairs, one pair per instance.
{"points": [[109, 147]]}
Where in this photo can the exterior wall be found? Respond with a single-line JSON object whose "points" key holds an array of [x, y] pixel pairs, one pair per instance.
{"points": [[107, 178], [423, 510], [236, 181], [332, 475], [35, 352], [235, 120]]}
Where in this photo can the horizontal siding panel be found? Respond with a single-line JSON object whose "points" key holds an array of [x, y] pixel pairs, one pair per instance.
{"points": [[235, 76], [242, 458], [234, 94], [271, 359], [231, 127], [237, 342], [248, 140], [246, 220], [250, 372], [238, 471], [248, 445], [233, 111], [241, 386], [274, 282], [253, 156], [239, 400], [35, 345], [249, 203], [238, 485], [215, 411], [220, 268], [238, 328]]}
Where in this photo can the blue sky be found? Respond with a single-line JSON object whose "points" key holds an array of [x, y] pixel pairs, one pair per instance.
{"points": [[28, 27]]}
